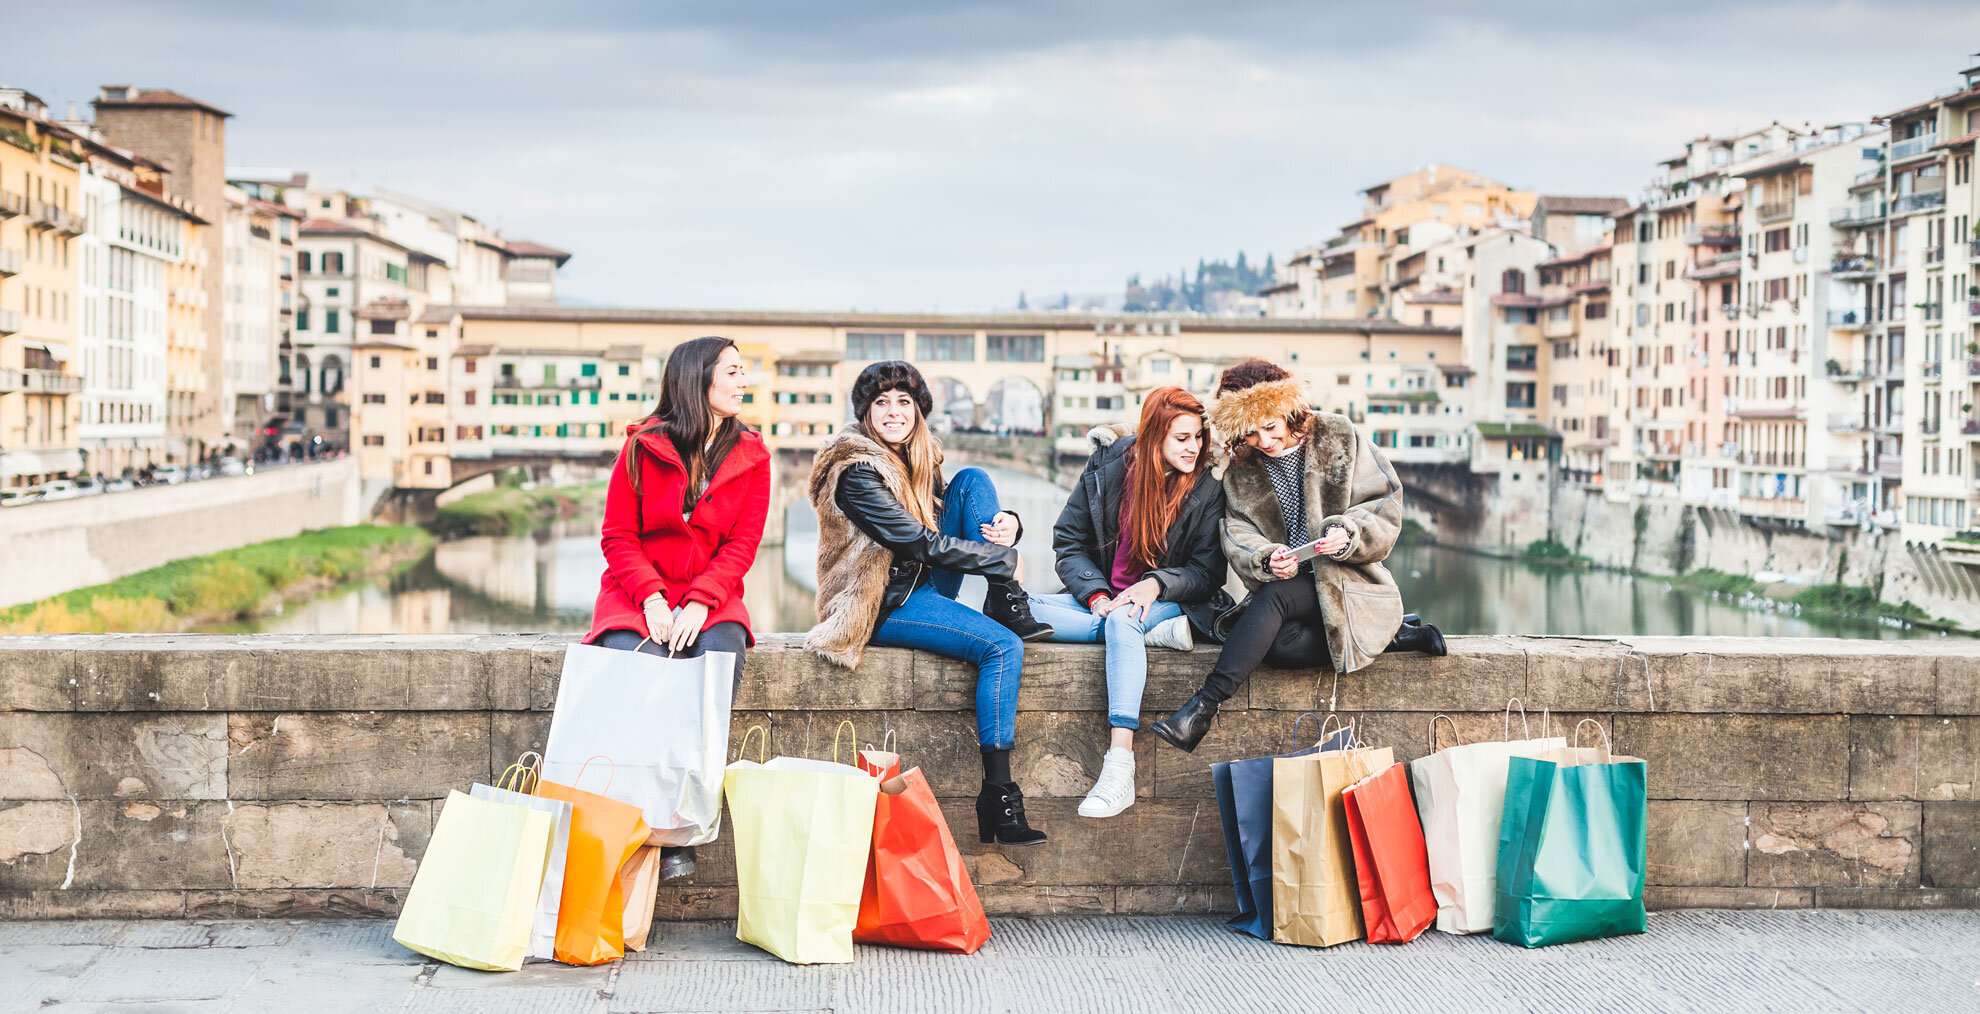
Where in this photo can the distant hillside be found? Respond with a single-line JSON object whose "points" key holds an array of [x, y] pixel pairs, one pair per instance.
{"points": [[1183, 292]]}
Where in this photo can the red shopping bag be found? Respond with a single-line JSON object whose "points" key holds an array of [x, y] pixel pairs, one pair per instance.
{"points": [[1389, 857], [917, 892]]}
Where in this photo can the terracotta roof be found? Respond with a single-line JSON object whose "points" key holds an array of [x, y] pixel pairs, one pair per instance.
{"points": [[384, 309], [1446, 297], [1576, 257], [1601, 286], [811, 356], [1517, 299], [1928, 103], [1281, 287], [1794, 161], [624, 353], [157, 97], [271, 208], [333, 225], [439, 314], [1707, 272], [380, 343], [1963, 139], [525, 248], [1556, 204], [472, 350]]}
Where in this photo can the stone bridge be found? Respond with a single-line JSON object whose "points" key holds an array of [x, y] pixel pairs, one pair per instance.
{"points": [[213, 776]]}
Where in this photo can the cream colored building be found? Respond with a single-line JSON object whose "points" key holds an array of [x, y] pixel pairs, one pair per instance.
{"points": [[41, 221]]}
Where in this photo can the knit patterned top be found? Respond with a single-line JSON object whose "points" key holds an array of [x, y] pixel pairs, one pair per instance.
{"points": [[1288, 474]]}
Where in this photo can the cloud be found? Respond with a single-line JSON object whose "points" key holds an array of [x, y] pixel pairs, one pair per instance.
{"points": [[895, 155]]}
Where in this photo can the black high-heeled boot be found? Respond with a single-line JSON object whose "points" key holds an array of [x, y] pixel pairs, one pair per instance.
{"points": [[1184, 729], [1006, 602], [1424, 637], [1000, 816]]}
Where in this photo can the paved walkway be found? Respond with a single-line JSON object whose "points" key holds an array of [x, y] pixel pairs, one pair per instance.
{"points": [[1689, 961]]}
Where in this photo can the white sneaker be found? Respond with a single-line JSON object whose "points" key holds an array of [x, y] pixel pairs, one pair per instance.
{"points": [[1170, 633], [1113, 791]]}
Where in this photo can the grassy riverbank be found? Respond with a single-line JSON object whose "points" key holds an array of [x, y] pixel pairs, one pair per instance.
{"points": [[238, 583], [509, 510], [1833, 599]]}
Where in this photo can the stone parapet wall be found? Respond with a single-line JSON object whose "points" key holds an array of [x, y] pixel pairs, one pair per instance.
{"points": [[262, 775]]}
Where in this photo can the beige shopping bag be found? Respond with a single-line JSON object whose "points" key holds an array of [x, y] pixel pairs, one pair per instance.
{"points": [[1316, 899], [639, 880]]}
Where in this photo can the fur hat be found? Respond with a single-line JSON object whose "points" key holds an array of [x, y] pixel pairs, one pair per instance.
{"points": [[890, 375], [1238, 412]]}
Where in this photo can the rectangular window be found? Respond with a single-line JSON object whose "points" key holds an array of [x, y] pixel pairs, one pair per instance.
{"points": [[374, 399], [376, 362], [468, 365], [550, 374], [303, 260], [384, 327], [588, 370], [330, 323], [374, 440], [1015, 348], [947, 348], [625, 370], [432, 362], [302, 320], [876, 345], [467, 397]]}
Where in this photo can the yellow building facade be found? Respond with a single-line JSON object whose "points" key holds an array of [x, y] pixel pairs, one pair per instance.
{"points": [[40, 380]]}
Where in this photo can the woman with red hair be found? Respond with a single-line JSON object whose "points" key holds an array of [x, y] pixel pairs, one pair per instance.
{"points": [[1137, 547]]}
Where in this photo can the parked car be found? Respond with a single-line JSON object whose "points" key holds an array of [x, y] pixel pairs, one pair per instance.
{"points": [[234, 466], [16, 497], [58, 489], [168, 475]]}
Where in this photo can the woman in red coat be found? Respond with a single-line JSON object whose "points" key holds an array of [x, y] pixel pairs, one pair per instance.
{"points": [[684, 513]]}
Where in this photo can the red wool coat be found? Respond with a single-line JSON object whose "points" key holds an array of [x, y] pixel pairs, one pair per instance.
{"points": [[702, 558]]}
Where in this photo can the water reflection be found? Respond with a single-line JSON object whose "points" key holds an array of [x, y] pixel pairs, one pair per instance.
{"points": [[548, 581]]}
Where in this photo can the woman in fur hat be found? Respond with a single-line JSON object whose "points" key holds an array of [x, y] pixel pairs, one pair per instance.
{"points": [[1137, 547], [1300, 478], [894, 542]]}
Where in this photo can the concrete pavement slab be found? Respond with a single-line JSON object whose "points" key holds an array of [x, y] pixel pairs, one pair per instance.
{"points": [[725, 986], [534, 975], [325, 988], [138, 973], [355, 941]]}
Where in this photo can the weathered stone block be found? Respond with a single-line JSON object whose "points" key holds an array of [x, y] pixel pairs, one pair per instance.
{"points": [[166, 673], [1958, 683], [210, 673], [1012, 899], [1883, 678], [95, 756], [783, 676], [1159, 841], [1914, 757], [1199, 899], [673, 903], [1480, 674], [514, 733], [1897, 897], [509, 668], [1666, 898], [1834, 845], [1952, 845], [348, 904], [356, 755], [326, 845], [39, 674], [73, 904], [1697, 843], [1729, 680], [1759, 757], [1587, 674], [123, 845]]}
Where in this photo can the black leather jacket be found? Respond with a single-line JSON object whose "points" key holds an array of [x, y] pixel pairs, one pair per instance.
{"points": [[917, 549], [1088, 534]]}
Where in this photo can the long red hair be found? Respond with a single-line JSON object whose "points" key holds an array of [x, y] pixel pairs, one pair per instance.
{"points": [[1154, 490]]}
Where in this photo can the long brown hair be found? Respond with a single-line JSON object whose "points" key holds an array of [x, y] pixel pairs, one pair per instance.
{"points": [[1155, 491], [684, 416]]}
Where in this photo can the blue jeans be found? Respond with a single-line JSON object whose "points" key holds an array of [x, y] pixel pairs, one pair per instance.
{"points": [[1127, 656], [932, 620]]}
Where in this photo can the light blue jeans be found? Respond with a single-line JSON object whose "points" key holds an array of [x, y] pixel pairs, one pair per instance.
{"points": [[1127, 655]]}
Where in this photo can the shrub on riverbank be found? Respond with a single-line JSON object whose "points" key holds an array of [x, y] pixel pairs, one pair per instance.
{"points": [[1553, 554], [1719, 582], [236, 583], [511, 511]]}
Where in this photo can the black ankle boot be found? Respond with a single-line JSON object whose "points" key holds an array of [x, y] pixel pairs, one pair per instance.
{"points": [[1425, 638], [1186, 727], [1000, 816], [1007, 603], [676, 861], [1412, 620]]}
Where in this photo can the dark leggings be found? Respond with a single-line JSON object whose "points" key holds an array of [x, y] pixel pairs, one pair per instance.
{"points": [[725, 636], [1281, 625]]}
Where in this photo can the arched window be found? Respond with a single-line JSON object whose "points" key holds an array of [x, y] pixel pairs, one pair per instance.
{"points": [[302, 371], [333, 375]]}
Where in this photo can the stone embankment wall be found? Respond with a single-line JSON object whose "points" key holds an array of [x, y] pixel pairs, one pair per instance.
{"points": [[205, 776], [56, 547]]}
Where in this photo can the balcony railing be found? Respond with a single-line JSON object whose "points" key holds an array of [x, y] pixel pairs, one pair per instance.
{"points": [[1523, 364], [1843, 422], [1843, 265], [1854, 465], [1893, 423], [11, 204], [1848, 320], [1776, 211], [1930, 427], [1935, 254], [585, 383], [1973, 250], [1918, 202], [1890, 466], [10, 321], [1713, 235], [1973, 308], [1864, 212], [1932, 311], [1971, 427], [1973, 367], [10, 263], [1913, 146], [510, 383], [1931, 372]]}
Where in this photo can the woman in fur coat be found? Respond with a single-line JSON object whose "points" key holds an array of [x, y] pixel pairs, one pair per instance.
{"points": [[1300, 478], [1137, 547], [894, 542]]}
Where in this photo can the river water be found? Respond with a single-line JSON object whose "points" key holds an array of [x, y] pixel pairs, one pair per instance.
{"points": [[548, 580]]}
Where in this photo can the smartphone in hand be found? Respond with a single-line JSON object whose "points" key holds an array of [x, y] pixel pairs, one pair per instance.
{"points": [[1307, 552]]}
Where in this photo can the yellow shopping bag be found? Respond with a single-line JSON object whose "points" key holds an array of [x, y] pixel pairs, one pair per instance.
{"points": [[475, 894], [802, 829]]}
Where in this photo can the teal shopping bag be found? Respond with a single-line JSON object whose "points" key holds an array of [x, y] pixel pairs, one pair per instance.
{"points": [[1571, 848]]}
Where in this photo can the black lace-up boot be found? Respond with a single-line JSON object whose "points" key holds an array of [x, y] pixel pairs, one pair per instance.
{"points": [[1000, 816], [1007, 603], [1186, 727]]}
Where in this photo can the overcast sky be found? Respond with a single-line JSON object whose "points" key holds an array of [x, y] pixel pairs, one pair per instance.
{"points": [[930, 155]]}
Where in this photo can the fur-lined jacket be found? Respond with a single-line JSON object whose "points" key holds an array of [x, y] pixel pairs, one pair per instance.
{"points": [[1348, 483], [1088, 534], [872, 554]]}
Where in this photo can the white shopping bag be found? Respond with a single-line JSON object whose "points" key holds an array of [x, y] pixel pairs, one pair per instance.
{"points": [[516, 786], [665, 724], [1460, 796]]}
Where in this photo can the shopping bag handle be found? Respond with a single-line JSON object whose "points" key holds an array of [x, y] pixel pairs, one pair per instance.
{"points": [[761, 744], [1524, 731], [608, 777], [1456, 739], [524, 775], [1303, 717], [1337, 725], [1608, 750], [844, 724]]}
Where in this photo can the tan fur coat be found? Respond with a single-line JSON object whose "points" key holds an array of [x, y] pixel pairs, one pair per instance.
{"points": [[852, 568]]}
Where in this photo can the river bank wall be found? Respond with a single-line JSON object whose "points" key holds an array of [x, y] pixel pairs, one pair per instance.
{"points": [[192, 776]]}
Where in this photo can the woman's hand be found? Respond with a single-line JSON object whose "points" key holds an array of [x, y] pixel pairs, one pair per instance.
{"points": [[1102, 606], [1002, 529], [1283, 564], [1138, 597], [1334, 540], [659, 618], [687, 626]]}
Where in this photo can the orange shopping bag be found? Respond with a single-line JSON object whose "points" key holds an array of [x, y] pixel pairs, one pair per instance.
{"points": [[1390, 860], [604, 834], [917, 892]]}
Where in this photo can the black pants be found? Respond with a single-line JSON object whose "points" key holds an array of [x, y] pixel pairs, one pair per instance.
{"points": [[1280, 625], [725, 636]]}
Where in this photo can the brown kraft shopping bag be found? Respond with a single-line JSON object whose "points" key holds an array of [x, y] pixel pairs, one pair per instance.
{"points": [[1316, 899]]}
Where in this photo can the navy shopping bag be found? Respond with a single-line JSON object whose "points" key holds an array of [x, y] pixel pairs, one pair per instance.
{"points": [[1244, 802]]}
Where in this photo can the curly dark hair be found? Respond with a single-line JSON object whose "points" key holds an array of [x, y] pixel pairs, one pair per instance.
{"points": [[1249, 372]]}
